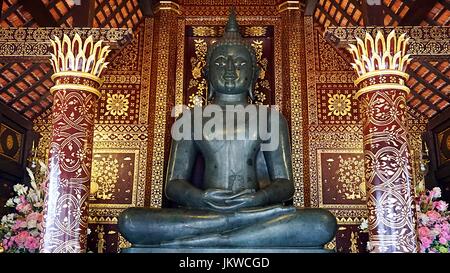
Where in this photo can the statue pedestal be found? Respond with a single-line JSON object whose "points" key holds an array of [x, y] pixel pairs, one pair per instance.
{"points": [[137, 249]]}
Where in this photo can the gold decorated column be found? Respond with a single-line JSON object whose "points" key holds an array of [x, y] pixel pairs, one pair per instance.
{"points": [[162, 92], [77, 66], [381, 64]]}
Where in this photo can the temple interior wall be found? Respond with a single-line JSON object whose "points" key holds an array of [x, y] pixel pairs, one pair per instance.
{"points": [[313, 88]]}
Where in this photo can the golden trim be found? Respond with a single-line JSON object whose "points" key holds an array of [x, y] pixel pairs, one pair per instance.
{"points": [[163, 59], [168, 5], [375, 52], [179, 87], [289, 5], [77, 74], [380, 73], [78, 87], [382, 86], [89, 58]]}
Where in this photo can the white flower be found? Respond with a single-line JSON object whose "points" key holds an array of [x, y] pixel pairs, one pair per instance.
{"points": [[20, 189], [423, 218], [32, 224], [88, 231], [8, 219], [437, 192], [364, 224], [9, 203]]}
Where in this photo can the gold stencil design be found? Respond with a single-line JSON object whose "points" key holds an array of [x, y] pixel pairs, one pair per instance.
{"points": [[255, 31], [117, 104], [123, 243], [339, 104], [204, 31], [100, 239], [351, 178], [198, 83], [105, 175], [354, 242], [331, 245], [262, 63]]}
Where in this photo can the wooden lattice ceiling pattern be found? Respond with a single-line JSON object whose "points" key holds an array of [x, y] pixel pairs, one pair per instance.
{"points": [[117, 14], [429, 80], [24, 86]]}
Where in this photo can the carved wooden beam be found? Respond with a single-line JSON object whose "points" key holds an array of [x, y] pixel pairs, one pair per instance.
{"points": [[33, 44], [427, 42], [40, 13]]}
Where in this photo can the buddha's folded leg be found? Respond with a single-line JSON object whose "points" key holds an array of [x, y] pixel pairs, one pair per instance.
{"points": [[145, 226], [304, 228]]}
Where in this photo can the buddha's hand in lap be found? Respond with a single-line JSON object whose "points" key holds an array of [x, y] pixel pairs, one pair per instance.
{"points": [[226, 200]]}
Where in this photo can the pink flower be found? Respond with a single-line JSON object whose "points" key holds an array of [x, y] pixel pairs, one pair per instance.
{"points": [[37, 216], [5, 244], [32, 243], [18, 225], [24, 207], [433, 215], [425, 243], [424, 232], [442, 240], [445, 235], [436, 192], [21, 238], [440, 205]]}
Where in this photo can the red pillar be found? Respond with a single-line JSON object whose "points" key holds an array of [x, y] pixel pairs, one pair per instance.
{"points": [[77, 67], [380, 64]]}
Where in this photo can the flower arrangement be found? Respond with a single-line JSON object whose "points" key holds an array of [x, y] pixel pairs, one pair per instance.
{"points": [[20, 232], [433, 222]]}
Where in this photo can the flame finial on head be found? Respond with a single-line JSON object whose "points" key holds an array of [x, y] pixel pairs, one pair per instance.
{"points": [[232, 25]]}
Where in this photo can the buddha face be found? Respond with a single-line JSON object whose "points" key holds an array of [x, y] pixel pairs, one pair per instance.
{"points": [[231, 69]]}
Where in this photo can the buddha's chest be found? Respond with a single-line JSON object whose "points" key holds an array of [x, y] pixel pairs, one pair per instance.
{"points": [[230, 129]]}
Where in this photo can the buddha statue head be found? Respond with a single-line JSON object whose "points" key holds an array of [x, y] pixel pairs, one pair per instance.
{"points": [[231, 66]]}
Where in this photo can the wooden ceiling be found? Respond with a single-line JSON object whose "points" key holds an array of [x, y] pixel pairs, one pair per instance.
{"points": [[25, 86]]}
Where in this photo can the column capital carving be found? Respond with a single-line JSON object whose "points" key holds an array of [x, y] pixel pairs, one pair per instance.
{"points": [[291, 5], [78, 64], [168, 6], [380, 62]]}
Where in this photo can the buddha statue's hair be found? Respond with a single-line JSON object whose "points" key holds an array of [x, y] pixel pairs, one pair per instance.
{"points": [[230, 37]]}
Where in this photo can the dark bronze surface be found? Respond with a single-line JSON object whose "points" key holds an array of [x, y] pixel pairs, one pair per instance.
{"points": [[231, 208]]}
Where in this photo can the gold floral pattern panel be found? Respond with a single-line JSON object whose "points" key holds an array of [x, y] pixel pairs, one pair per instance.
{"points": [[342, 176], [118, 172], [120, 102], [197, 39], [113, 173], [337, 104]]}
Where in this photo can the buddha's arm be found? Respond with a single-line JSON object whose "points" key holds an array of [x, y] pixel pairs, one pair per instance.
{"points": [[178, 188], [280, 169]]}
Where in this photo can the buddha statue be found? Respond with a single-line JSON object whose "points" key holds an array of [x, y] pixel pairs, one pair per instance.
{"points": [[230, 209]]}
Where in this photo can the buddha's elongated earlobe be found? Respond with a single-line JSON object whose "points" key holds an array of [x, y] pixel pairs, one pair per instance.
{"points": [[252, 86], [250, 91], [210, 91]]}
